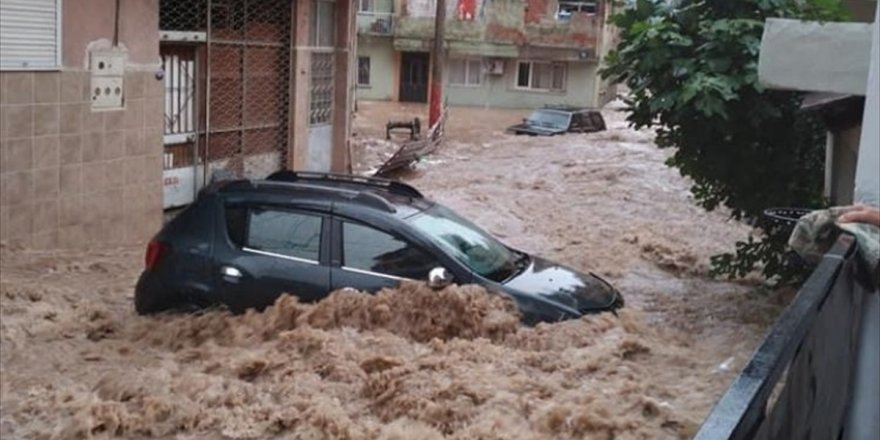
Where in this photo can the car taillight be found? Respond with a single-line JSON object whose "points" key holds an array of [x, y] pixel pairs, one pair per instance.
{"points": [[155, 251]]}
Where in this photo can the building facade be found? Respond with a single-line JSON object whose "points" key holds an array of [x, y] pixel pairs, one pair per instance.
{"points": [[108, 116], [501, 53]]}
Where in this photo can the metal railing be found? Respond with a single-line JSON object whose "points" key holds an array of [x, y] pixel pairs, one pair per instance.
{"points": [[375, 23], [811, 353]]}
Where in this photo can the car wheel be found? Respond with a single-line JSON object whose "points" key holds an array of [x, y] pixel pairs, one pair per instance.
{"points": [[194, 301], [151, 304], [187, 302]]}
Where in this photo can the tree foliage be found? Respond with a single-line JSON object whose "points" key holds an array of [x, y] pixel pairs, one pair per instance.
{"points": [[691, 67]]}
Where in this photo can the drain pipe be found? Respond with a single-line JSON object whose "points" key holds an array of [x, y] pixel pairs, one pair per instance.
{"points": [[116, 26]]}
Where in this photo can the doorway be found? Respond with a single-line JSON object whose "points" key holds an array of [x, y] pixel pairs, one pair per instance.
{"points": [[414, 77], [181, 65], [226, 66]]}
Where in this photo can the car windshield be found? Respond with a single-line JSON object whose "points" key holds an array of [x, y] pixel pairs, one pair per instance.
{"points": [[550, 119], [467, 243]]}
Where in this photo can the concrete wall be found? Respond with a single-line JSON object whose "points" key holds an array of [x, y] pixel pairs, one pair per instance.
{"points": [[84, 21], [606, 91], [383, 5], [789, 50], [842, 165], [70, 176], [494, 90], [867, 186], [304, 150], [516, 22], [502, 29], [383, 62], [499, 90]]}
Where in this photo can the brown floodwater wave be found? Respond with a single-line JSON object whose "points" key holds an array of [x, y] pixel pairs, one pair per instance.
{"points": [[404, 363], [76, 362]]}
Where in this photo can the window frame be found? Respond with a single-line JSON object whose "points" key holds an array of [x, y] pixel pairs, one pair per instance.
{"points": [[339, 261], [530, 87], [467, 70], [59, 47], [317, 33], [581, 5], [244, 247], [369, 82]]}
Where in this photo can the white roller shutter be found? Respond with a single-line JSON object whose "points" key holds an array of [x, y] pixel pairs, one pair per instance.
{"points": [[30, 34]]}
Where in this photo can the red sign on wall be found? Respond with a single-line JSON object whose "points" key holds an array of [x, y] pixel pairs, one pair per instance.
{"points": [[467, 9]]}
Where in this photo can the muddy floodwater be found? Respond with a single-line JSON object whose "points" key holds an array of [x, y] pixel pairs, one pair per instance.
{"points": [[411, 363]]}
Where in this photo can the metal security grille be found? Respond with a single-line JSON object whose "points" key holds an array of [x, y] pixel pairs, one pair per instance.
{"points": [[321, 98], [179, 64], [241, 92]]}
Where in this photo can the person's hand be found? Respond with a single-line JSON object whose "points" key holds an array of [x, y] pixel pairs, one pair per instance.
{"points": [[861, 214]]}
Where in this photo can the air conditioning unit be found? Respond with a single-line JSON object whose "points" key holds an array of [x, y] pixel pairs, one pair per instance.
{"points": [[495, 66]]}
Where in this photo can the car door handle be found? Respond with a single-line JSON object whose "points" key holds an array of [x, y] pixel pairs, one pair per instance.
{"points": [[231, 272]]}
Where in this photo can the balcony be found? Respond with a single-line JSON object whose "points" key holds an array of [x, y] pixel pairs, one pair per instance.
{"points": [[375, 23]]}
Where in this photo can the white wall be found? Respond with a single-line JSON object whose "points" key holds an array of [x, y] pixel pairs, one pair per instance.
{"points": [[868, 171]]}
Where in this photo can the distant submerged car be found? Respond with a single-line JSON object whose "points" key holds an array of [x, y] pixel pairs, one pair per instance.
{"points": [[245, 242], [554, 119]]}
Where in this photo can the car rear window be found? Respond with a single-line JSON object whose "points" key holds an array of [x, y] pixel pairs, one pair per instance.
{"points": [[365, 248]]}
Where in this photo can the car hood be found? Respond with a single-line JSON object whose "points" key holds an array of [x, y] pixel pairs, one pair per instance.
{"points": [[566, 286]]}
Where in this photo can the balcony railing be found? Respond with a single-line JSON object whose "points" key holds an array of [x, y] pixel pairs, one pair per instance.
{"points": [[812, 353], [375, 23]]}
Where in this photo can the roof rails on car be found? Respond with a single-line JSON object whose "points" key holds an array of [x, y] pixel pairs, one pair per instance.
{"points": [[393, 186], [364, 197]]}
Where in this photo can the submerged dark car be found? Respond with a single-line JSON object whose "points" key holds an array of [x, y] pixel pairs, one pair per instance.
{"points": [[243, 243], [554, 120]]}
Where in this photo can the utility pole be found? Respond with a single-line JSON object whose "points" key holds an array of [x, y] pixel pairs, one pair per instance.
{"points": [[435, 99]]}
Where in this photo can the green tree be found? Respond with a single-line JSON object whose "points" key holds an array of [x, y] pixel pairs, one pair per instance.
{"points": [[691, 68]]}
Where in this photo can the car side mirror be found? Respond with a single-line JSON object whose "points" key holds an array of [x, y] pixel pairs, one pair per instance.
{"points": [[439, 278]]}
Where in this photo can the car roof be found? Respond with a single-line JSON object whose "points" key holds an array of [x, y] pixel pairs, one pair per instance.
{"points": [[387, 196], [553, 110], [566, 108]]}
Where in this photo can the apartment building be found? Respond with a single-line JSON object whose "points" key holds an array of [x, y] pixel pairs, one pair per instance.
{"points": [[501, 53], [112, 110]]}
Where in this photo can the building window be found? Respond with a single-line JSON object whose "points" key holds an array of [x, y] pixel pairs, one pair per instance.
{"points": [[540, 76], [363, 72], [465, 71], [365, 6], [323, 31], [567, 8], [30, 34]]}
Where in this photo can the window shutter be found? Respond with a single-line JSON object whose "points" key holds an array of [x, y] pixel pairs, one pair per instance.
{"points": [[29, 34]]}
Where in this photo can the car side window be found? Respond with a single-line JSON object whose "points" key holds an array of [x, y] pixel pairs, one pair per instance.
{"points": [[277, 231], [577, 121], [284, 232], [365, 248]]}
